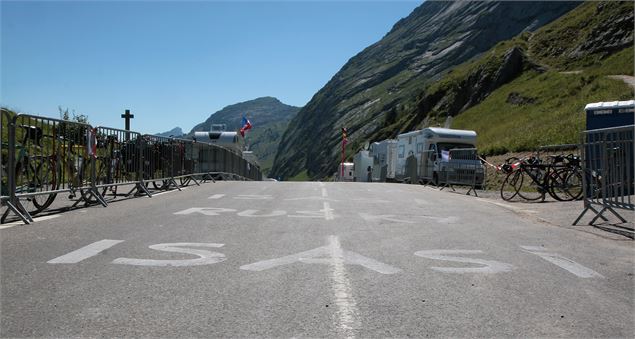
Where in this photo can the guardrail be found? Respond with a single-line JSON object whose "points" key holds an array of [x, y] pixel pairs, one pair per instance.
{"points": [[607, 161], [43, 157]]}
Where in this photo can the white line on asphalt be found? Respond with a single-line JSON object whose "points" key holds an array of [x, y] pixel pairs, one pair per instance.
{"points": [[347, 321], [324, 194], [18, 223], [166, 192], [562, 262], [85, 252], [216, 196], [328, 212]]}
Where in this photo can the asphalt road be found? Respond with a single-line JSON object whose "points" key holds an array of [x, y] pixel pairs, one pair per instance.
{"points": [[268, 259]]}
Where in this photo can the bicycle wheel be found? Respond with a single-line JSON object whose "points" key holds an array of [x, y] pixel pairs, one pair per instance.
{"points": [[37, 177], [509, 188], [529, 189], [557, 183], [574, 184]]}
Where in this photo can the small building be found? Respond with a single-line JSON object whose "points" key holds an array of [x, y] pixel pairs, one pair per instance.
{"points": [[349, 172], [609, 114]]}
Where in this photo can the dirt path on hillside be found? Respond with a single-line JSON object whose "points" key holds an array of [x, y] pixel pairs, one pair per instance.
{"points": [[629, 80]]}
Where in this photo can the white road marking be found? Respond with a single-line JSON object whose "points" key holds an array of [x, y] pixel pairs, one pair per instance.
{"points": [[253, 213], [491, 266], [170, 191], [320, 214], [310, 198], [253, 197], [328, 212], [205, 257], [324, 194], [211, 211], [85, 252], [18, 223], [321, 255], [347, 317], [386, 217], [216, 196], [562, 262]]}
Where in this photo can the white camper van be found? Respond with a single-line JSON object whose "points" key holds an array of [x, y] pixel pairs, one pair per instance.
{"points": [[431, 148], [362, 161], [384, 154]]}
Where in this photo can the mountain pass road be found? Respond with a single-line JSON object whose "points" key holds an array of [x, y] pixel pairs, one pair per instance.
{"points": [[311, 259]]}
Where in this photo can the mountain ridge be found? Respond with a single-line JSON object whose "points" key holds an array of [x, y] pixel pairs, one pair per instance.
{"points": [[419, 49]]}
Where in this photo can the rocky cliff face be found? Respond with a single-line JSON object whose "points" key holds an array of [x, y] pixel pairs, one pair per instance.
{"points": [[374, 84]]}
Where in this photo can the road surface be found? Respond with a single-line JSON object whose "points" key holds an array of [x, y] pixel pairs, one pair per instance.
{"points": [[277, 259]]}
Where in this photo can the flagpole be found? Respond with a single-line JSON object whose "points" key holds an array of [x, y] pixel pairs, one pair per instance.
{"points": [[344, 136]]}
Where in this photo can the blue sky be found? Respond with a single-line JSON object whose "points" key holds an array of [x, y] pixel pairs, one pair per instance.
{"points": [[174, 63]]}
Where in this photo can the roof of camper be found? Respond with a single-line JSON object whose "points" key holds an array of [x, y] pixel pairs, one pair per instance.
{"points": [[452, 132], [443, 133]]}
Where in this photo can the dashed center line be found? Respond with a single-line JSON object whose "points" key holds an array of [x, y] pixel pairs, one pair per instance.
{"points": [[347, 316]]}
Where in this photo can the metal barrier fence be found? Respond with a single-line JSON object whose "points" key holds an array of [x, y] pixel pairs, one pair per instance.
{"points": [[456, 167], [43, 157], [607, 162]]}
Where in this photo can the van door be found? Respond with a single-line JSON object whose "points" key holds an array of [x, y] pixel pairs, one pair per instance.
{"points": [[431, 160]]}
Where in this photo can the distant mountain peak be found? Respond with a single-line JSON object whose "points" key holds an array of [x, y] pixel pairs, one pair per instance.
{"points": [[175, 132]]}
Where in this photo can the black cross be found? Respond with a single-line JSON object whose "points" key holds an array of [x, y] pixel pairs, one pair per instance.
{"points": [[127, 116]]}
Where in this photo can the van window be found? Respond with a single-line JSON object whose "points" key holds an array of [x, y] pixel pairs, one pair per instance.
{"points": [[402, 150], [446, 146]]}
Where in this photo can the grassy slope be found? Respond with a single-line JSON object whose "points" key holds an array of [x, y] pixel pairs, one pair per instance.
{"points": [[556, 117], [557, 114]]}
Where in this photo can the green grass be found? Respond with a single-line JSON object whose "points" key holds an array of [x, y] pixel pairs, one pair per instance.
{"points": [[556, 117], [302, 176]]}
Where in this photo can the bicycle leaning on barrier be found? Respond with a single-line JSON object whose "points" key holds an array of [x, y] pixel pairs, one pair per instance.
{"points": [[531, 179]]}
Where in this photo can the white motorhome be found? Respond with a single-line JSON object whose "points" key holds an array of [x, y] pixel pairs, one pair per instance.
{"points": [[362, 162], [408, 144], [384, 154], [431, 148]]}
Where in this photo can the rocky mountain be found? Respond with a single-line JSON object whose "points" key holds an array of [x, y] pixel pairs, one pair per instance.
{"points": [[377, 86], [175, 132], [269, 118]]}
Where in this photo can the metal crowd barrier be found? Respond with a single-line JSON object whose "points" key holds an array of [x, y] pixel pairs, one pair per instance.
{"points": [[463, 167], [457, 167], [43, 157], [607, 164]]}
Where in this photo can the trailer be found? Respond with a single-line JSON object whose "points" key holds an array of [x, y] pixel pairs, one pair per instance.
{"points": [[363, 166], [384, 155]]}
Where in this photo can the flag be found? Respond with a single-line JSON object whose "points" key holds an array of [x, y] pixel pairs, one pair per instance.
{"points": [[246, 125], [344, 136]]}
